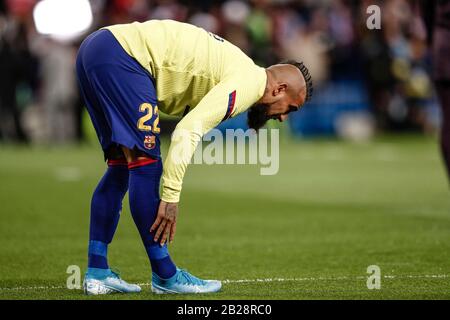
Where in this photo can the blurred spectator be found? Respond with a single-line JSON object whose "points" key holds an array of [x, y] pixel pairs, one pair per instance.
{"points": [[437, 17], [396, 68], [58, 90], [235, 16], [17, 70], [168, 9], [309, 42], [260, 29]]}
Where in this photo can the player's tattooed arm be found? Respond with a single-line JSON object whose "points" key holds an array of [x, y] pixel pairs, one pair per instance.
{"points": [[166, 222]]}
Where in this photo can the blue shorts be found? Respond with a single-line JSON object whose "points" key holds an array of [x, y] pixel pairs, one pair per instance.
{"points": [[119, 94]]}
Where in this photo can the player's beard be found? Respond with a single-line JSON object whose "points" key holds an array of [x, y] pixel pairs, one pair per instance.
{"points": [[257, 116]]}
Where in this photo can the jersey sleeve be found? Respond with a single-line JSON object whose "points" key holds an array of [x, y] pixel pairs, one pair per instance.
{"points": [[227, 99]]}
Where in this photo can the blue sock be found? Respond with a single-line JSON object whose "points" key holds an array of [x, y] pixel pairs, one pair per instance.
{"points": [[97, 256], [144, 203], [105, 212], [97, 273]]}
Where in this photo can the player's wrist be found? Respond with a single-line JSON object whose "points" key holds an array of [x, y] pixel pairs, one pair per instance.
{"points": [[170, 196]]}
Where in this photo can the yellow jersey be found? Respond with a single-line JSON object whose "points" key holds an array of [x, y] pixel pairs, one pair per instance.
{"points": [[199, 76]]}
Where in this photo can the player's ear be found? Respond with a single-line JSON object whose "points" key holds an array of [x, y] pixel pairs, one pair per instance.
{"points": [[281, 87]]}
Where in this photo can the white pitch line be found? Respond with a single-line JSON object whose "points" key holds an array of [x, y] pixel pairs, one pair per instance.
{"points": [[33, 288], [424, 276], [332, 278]]}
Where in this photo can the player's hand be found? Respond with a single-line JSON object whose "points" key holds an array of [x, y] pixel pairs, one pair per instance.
{"points": [[166, 222]]}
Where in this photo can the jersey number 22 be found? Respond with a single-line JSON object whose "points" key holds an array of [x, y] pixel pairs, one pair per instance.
{"points": [[149, 111]]}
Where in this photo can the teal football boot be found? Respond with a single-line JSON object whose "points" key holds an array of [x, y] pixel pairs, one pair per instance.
{"points": [[183, 282], [105, 281]]}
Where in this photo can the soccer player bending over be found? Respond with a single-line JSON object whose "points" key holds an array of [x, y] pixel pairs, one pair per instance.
{"points": [[127, 73]]}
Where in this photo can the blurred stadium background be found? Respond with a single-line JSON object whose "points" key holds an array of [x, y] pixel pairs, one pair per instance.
{"points": [[361, 181], [366, 81]]}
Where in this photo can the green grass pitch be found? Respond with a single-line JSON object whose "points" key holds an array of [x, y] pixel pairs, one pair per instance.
{"points": [[309, 232]]}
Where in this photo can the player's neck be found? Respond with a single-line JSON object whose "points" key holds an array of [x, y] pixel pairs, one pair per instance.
{"points": [[269, 83]]}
